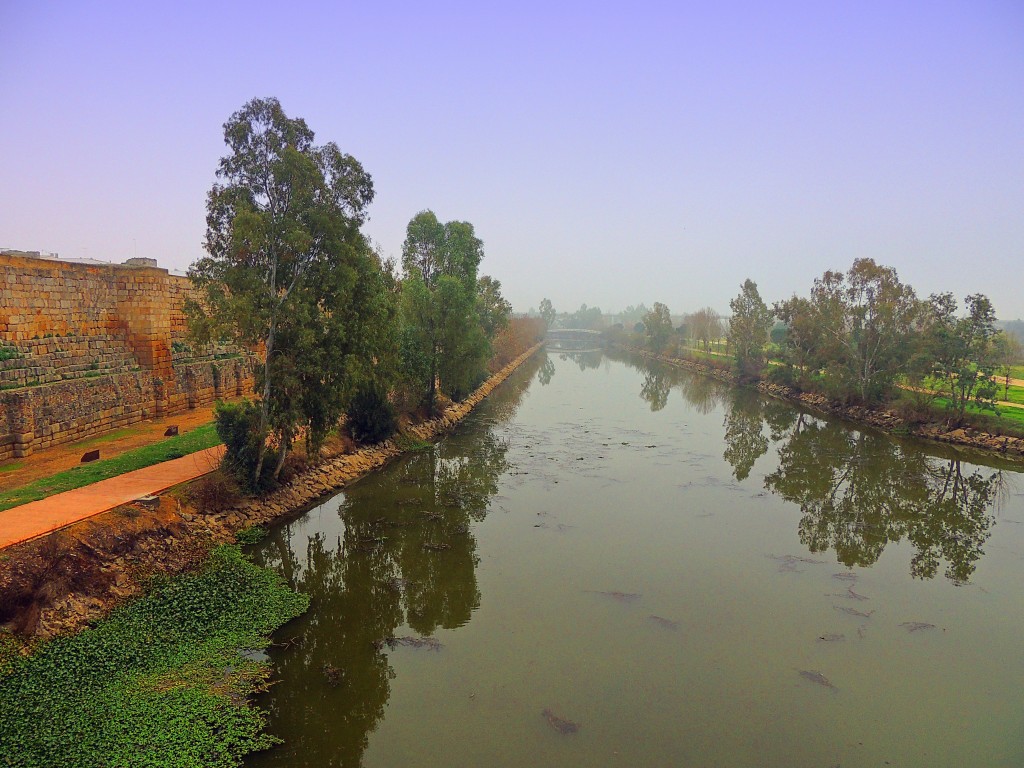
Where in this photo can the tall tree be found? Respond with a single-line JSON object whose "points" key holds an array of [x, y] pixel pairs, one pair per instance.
{"points": [[444, 338], [705, 325], [867, 319], [964, 350], [658, 327], [748, 330], [492, 307], [801, 342], [288, 271], [547, 312]]}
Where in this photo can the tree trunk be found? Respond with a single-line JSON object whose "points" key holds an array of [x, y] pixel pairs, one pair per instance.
{"points": [[285, 442], [264, 405]]}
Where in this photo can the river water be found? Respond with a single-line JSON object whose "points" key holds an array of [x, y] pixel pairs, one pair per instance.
{"points": [[619, 564]]}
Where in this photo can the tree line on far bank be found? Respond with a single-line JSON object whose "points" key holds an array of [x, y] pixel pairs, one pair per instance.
{"points": [[338, 330], [859, 337]]}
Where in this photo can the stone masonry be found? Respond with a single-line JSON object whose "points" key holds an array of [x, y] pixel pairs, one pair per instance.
{"points": [[88, 347]]}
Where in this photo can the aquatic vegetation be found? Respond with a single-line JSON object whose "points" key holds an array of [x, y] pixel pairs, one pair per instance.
{"points": [[622, 597], [916, 626], [426, 643], [818, 678], [560, 724], [161, 682], [664, 623], [853, 611]]}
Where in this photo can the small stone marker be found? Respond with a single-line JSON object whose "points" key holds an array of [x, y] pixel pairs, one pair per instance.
{"points": [[171, 431], [148, 501], [90, 456]]}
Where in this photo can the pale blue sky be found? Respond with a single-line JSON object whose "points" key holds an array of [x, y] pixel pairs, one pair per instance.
{"points": [[606, 153]]}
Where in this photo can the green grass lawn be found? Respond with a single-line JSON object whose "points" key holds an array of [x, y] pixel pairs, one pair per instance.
{"points": [[1017, 371], [169, 448], [1010, 419], [1013, 395]]}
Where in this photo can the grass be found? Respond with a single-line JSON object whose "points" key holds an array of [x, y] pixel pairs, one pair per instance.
{"points": [[86, 474], [1010, 420], [1013, 395], [162, 682]]}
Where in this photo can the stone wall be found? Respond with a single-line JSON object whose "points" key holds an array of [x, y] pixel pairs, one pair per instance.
{"points": [[87, 348]]}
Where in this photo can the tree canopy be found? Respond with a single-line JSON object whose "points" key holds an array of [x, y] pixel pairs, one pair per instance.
{"points": [[288, 272]]}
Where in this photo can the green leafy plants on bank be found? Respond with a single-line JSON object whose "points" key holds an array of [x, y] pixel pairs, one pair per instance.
{"points": [[162, 682], [86, 474]]}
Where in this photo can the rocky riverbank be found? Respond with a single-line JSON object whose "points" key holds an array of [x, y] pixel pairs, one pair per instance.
{"points": [[62, 582], [878, 418]]}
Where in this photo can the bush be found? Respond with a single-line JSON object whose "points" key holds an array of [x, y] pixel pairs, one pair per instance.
{"points": [[783, 375], [238, 428], [371, 418], [214, 492]]}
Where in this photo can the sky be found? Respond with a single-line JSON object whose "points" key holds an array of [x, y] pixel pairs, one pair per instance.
{"points": [[606, 153]]}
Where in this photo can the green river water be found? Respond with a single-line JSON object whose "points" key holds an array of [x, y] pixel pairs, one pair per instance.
{"points": [[655, 558]]}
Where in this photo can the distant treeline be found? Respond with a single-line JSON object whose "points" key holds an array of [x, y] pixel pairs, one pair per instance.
{"points": [[859, 337]]}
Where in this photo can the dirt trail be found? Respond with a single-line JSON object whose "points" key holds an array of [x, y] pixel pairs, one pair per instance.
{"points": [[37, 518], [15, 473]]}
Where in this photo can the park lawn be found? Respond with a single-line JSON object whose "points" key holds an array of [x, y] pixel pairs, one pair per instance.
{"points": [[86, 474], [1013, 395], [1008, 418], [1017, 371]]}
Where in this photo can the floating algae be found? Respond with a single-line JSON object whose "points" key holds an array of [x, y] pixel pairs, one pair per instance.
{"points": [[664, 623], [427, 643], [853, 611], [560, 724], [915, 626], [817, 677], [622, 597]]}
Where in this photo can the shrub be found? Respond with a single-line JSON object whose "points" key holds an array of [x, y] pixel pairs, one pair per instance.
{"points": [[783, 375], [371, 418], [238, 428], [214, 492]]}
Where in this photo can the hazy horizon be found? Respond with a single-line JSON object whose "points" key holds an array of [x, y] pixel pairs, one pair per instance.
{"points": [[605, 156]]}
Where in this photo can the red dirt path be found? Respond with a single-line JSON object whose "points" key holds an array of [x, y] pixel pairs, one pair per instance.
{"points": [[38, 518]]}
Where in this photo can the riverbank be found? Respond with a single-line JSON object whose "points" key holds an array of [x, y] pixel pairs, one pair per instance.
{"points": [[881, 419], [62, 582]]}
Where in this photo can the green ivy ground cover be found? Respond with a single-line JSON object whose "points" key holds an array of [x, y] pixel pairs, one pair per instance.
{"points": [[160, 683]]}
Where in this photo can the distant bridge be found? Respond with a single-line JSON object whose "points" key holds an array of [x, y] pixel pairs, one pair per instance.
{"points": [[576, 339]]}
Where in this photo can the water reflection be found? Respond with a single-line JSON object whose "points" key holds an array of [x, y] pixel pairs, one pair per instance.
{"points": [[546, 371], [586, 359], [859, 491], [404, 554]]}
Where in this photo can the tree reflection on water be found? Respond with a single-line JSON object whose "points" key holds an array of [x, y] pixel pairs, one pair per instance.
{"points": [[859, 491], [407, 556]]}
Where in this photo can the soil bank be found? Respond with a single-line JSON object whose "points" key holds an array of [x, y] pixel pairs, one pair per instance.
{"points": [[62, 582]]}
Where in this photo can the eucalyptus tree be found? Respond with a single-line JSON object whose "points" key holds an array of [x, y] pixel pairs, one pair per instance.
{"points": [[964, 350], [444, 339], [547, 312], [868, 320], [705, 325], [748, 330], [493, 308], [287, 271], [658, 327]]}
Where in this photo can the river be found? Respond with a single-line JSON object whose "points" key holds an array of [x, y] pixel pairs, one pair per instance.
{"points": [[617, 563]]}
